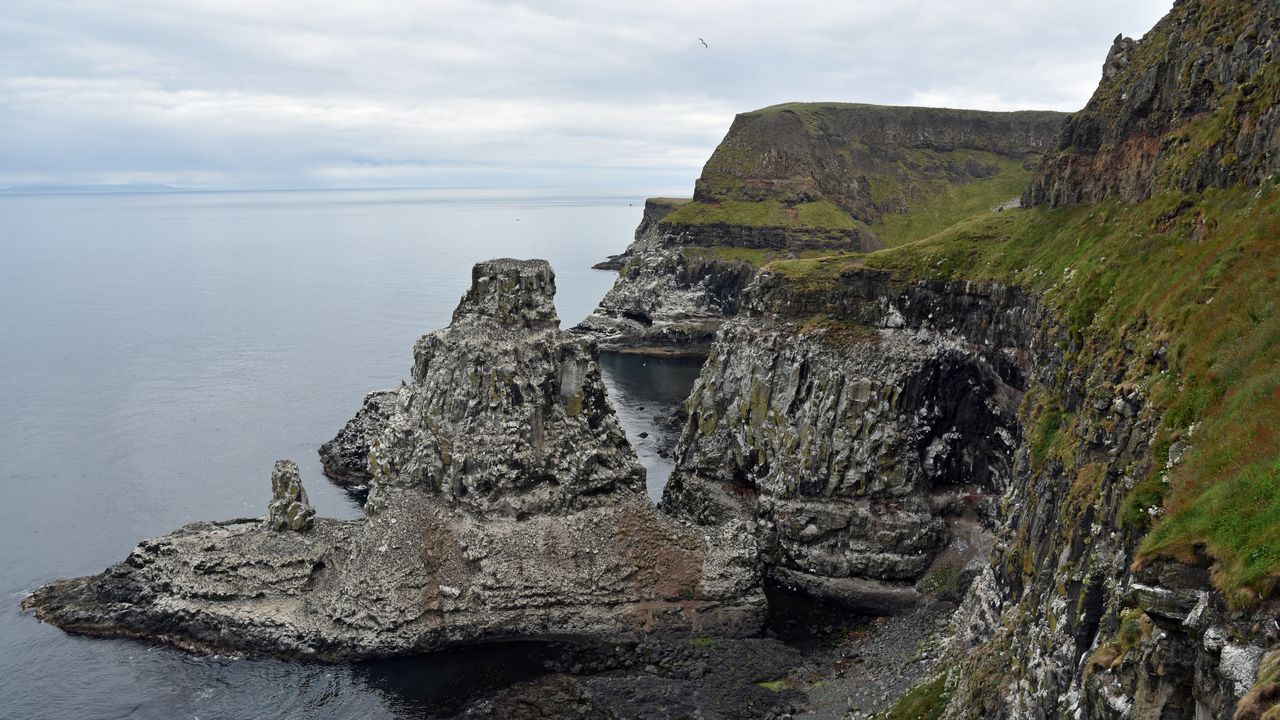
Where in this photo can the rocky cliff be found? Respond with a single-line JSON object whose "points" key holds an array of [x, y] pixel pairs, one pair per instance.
{"points": [[807, 179], [504, 503], [867, 427], [1191, 105], [1084, 395]]}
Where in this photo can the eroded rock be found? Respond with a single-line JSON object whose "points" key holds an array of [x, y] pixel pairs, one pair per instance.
{"points": [[289, 508], [505, 503], [865, 427]]}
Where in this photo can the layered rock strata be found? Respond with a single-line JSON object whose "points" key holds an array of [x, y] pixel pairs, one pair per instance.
{"points": [[1191, 105], [868, 160], [505, 503], [798, 178], [864, 426]]}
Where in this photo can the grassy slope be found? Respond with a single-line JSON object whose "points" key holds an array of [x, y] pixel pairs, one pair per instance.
{"points": [[948, 204], [919, 191], [926, 701], [766, 213], [941, 207], [1200, 275]]}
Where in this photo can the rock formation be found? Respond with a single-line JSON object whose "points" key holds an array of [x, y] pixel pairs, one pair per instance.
{"points": [[867, 426], [805, 178], [505, 503], [289, 509], [345, 458], [1191, 105]]}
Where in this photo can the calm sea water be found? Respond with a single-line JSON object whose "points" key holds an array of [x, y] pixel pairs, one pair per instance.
{"points": [[159, 352]]}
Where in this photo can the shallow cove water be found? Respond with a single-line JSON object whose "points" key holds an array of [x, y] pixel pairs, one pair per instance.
{"points": [[159, 352]]}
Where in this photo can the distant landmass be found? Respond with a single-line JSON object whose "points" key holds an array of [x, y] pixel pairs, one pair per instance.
{"points": [[101, 188]]}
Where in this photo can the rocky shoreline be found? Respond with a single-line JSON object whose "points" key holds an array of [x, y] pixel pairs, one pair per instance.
{"points": [[504, 503], [959, 446]]}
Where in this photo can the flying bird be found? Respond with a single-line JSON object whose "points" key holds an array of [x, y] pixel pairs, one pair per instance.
{"points": [[704, 43]]}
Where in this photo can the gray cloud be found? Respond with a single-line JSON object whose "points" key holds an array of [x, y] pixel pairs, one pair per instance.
{"points": [[254, 93]]}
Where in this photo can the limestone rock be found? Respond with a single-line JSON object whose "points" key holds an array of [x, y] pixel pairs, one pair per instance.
{"points": [[289, 509]]}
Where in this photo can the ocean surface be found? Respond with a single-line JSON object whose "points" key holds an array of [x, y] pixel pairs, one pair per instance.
{"points": [[158, 352]]}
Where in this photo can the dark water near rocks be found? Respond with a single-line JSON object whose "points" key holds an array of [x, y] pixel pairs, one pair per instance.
{"points": [[159, 352]]}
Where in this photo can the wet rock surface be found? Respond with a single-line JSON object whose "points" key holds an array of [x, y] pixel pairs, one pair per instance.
{"points": [[504, 504]]}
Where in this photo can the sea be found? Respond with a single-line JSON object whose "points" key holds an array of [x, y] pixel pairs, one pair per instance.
{"points": [[158, 352]]}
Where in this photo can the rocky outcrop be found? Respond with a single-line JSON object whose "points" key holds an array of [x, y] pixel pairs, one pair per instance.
{"points": [[289, 508], [797, 178], [505, 503], [655, 209], [665, 302], [345, 458], [1191, 105], [865, 425]]}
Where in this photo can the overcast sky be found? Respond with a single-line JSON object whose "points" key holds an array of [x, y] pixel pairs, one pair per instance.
{"points": [[554, 93]]}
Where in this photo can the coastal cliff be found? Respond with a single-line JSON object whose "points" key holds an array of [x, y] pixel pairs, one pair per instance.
{"points": [[803, 180], [504, 503], [1190, 106], [867, 425], [1054, 425], [1092, 378]]}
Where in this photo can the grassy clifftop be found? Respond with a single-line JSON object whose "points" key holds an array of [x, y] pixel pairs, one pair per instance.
{"points": [[1190, 279], [892, 173]]}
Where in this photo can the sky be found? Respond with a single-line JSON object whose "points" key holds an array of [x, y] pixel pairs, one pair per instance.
{"points": [[263, 94]]}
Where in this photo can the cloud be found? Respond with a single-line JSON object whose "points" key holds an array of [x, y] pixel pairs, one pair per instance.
{"points": [[254, 93]]}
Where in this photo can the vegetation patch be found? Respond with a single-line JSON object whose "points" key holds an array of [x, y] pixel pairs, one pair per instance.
{"points": [[1135, 627], [1198, 275], [926, 701], [836, 331], [821, 214], [948, 203], [775, 685]]}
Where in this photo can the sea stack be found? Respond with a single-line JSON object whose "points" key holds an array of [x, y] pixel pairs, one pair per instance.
{"points": [[505, 503]]}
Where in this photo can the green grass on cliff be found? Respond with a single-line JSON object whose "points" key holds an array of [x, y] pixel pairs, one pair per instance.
{"points": [[1192, 278], [1195, 278], [822, 214], [918, 186], [949, 203], [926, 701]]}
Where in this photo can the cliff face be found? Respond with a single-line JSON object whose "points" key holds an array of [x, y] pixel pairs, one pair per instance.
{"points": [[1191, 105], [504, 503], [863, 429], [1111, 369], [867, 160], [808, 179], [666, 300]]}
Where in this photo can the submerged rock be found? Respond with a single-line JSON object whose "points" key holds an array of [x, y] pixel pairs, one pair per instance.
{"points": [[505, 503], [289, 508]]}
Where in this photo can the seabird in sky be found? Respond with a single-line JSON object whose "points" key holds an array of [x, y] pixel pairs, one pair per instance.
{"points": [[704, 43]]}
